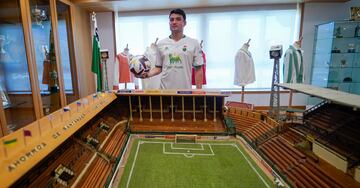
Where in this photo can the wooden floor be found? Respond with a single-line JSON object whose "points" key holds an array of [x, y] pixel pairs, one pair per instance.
{"points": [[178, 126]]}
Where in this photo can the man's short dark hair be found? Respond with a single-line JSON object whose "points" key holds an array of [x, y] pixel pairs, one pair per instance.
{"points": [[178, 11]]}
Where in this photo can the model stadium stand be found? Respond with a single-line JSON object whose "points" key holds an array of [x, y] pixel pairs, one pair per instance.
{"points": [[90, 155]]}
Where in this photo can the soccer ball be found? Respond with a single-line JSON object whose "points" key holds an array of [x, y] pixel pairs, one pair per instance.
{"points": [[139, 64]]}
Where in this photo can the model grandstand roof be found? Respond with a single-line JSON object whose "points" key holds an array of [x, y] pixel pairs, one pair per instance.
{"points": [[336, 96]]}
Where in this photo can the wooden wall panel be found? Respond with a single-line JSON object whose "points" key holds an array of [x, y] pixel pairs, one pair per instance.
{"points": [[83, 51]]}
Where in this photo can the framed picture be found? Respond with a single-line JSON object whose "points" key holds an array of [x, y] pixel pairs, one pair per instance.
{"points": [[355, 13], [4, 98]]}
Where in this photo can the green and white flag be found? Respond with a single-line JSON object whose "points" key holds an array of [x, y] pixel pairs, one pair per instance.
{"points": [[96, 63]]}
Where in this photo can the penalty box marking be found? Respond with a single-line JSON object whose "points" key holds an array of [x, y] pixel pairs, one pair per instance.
{"points": [[188, 154], [202, 146]]}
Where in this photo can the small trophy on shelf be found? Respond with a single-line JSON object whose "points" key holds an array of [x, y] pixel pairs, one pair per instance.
{"points": [[351, 48], [357, 31], [338, 32], [2, 51], [347, 79], [343, 63], [335, 50], [4, 97], [2, 43]]}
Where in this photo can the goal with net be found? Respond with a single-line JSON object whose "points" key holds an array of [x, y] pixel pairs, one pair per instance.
{"points": [[182, 138]]}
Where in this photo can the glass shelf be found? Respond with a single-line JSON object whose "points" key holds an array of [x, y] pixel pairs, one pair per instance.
{"points": [[325, 53], [344, 38], [339, 70]]}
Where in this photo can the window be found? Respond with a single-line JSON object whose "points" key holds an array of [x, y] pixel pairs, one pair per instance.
{"points": [[223, 34]]}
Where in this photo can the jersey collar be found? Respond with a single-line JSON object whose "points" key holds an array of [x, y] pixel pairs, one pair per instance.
{"points": [[170, 36]]}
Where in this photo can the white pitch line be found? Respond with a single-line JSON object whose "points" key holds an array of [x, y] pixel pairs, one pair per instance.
{"points": [[247, 160], [211, 149], [201, 149], [200, 154], [215, 144], [133, 165], [188, 156], [176, 153], [121, 161]]}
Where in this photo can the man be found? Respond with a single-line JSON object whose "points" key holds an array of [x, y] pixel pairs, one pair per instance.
{"points": [[177, 55]]}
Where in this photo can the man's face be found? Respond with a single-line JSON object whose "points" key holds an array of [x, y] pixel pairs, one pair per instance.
{"points": [[177, 23]]}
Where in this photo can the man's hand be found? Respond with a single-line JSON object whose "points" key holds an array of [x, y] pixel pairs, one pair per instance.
{"points": [[142, 75], [153, 72]]}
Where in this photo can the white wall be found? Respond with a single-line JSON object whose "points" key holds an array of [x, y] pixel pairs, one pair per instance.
{"points": [[318, 13], [105, 23]]}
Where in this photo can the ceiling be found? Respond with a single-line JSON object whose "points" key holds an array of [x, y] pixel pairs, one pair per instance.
{"points": [[140, 5]]}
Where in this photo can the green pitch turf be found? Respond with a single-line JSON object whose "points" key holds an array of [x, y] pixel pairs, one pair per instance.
{"points": [[156, 163]]}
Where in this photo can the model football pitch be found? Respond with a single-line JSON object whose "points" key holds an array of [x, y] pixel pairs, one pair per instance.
{"points": [[158, 163]]}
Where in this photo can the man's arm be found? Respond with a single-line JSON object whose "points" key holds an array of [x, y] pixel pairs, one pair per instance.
{"points": [[198, 62], [198, 77], [153, 72]]}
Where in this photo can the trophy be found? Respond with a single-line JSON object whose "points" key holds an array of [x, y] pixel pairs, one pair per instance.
{"points": [[338, 32], [4, 97], [39, 15], [2, 43], [343, 63], [351, 48], [357, 31], [335, 50]]}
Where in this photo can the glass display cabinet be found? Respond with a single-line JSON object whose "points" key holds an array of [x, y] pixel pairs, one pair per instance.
{"points": [[16, 102], [336, 58], [37, 60]]}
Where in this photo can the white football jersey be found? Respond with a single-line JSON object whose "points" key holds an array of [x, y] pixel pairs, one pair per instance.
{"points": [[152, 53], [177, 59], [244, 68]]}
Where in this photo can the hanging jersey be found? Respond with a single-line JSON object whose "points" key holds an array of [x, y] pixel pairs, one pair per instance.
{"points": [[244, 68], [152, 53], [203, 69], [121, 71], [177, 59], [293, 65]]}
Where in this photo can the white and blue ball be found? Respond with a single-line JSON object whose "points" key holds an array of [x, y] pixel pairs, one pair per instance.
{"points": [[139, 64]]}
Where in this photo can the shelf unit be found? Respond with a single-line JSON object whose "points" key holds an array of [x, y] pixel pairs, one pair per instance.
{"points": [[336, 56]]}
